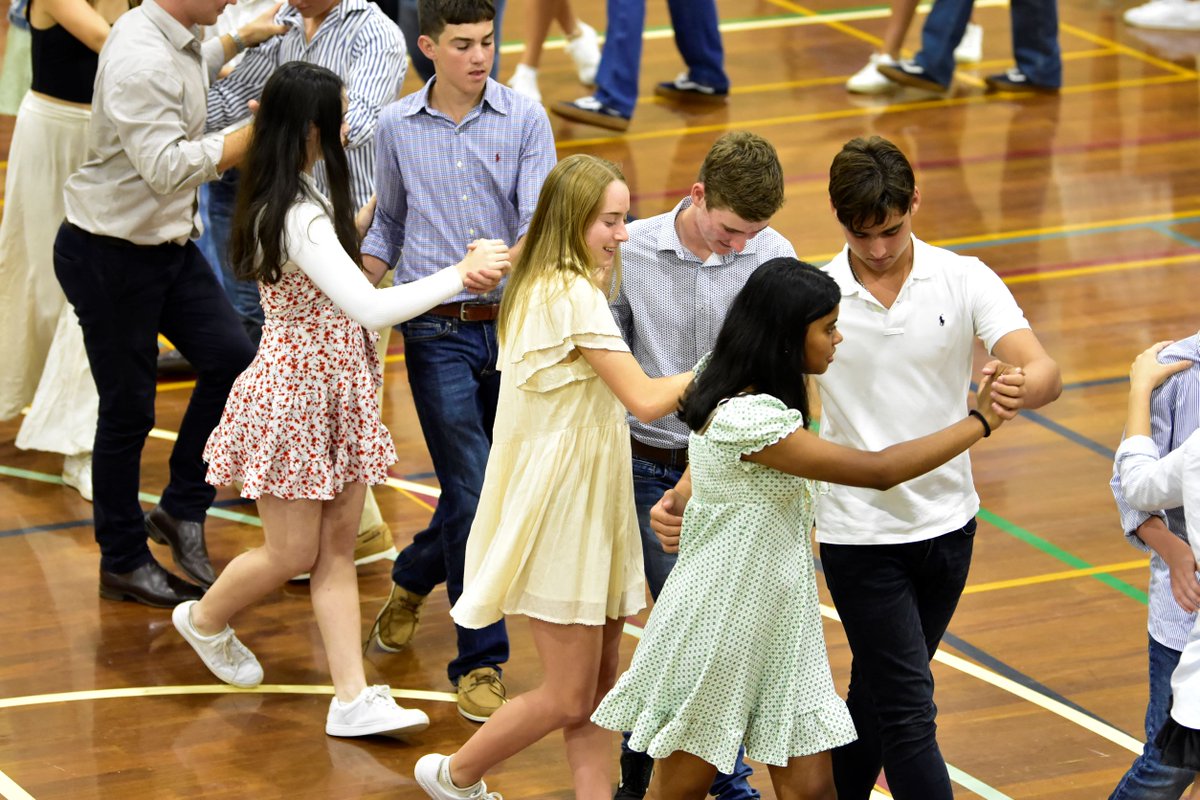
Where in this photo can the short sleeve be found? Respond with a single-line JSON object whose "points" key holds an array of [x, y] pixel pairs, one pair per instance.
{"points": [[557, 321], [749, 423], [993, 308]]}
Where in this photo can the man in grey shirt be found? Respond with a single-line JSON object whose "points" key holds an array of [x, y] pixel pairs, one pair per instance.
{"points": [[127, 263], [680, 273]]}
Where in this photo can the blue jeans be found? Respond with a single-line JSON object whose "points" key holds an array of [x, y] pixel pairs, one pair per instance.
{"points": [[1034, 39], [650, 480], [895, 601], [221, 200], [696, 36], [455, 385], [1148, 778], [410, 25]]}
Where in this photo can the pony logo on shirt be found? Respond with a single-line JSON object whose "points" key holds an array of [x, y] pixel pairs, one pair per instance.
{"points": [[497, 158], [941, 321]]}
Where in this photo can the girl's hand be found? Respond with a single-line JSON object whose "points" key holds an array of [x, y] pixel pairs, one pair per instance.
{"points": [[486, 264], [989, 400], [1146, 372]]}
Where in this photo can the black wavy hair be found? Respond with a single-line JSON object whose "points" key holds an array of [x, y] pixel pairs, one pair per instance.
{"points": [[297, 97], [762, 342]]}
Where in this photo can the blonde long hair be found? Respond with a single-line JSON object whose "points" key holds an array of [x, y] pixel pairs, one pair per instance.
{"points": [[556, 242]]}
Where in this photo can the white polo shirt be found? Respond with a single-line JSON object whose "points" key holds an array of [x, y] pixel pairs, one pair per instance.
{"points": [[902, 373]]}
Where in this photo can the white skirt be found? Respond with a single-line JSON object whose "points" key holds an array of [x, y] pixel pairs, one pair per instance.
{"points": [[49, 143]]}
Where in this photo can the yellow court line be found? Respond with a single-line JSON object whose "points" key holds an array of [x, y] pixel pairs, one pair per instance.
{"points": [[835, 24], [129, 692], [1100, 269], [1055, 576], [410, 495], [1126, 50], [819, 116]]}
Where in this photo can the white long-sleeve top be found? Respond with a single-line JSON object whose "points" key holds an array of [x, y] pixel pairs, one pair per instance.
{"points": [[1150, 483], [313, 248]]}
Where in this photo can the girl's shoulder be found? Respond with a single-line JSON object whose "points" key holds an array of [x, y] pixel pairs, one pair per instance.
{"points": [[749, 418]]}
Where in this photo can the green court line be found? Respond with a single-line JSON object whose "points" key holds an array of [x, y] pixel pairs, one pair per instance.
{"points": [[1051, 549]]}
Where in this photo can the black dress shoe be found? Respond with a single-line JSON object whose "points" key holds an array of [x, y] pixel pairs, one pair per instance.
{"points": [[636, 770], [186, 540], [150, 585]]}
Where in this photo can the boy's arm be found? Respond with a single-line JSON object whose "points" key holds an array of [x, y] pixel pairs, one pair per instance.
{"points": [[385, 238], [376, 73]]}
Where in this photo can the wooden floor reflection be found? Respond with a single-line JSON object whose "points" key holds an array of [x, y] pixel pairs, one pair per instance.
{"points": [[1087, 203]]}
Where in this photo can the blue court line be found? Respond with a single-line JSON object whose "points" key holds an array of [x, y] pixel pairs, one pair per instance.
{"points": [[1005, 670], [1063, 430], [1041, 237], [1096, 382], [1167, 230], [57, 526]]}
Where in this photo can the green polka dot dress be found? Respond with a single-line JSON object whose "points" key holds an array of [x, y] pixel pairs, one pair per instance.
{"points": [[734, 652]]}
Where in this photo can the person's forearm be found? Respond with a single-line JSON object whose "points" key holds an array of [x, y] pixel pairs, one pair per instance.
{"points": [[1043, 382], [1137, 419], [235, 148]]}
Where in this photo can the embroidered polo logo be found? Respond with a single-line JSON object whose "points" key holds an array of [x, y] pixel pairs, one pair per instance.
{"points": [[941, 321]]}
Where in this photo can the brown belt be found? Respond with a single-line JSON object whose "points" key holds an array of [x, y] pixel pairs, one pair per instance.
{"points": [[468, 312], [659, 455]]}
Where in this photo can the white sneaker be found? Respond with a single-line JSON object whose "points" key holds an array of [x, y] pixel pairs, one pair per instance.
{"points": [[433, 775], [77, 473], [524, 81], [373, 713], [1170, 15], [222, 653], [584, 50], [869, 80], [970, 47]]}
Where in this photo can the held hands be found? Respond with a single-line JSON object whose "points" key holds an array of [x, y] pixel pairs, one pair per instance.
{"points": [[1146, 373], [262, 27], [1005, 389], [486, 264], [666, 519], [998, 401]]}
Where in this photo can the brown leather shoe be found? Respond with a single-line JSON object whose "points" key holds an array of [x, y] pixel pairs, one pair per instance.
{"points": [[186, 540], [149, 585]]}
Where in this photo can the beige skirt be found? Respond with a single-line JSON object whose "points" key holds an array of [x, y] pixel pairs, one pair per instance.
{"points": [[45, 356]]}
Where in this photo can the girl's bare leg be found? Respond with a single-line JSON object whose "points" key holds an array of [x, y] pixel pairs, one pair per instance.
{"points": [[805, 778], [538, 16], [571, 656], [334, 586], [290, 535], [897, 27], [589, 745], [681, 776]]}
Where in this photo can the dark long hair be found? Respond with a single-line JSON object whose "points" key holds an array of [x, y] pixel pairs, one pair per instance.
{"points": [[297, 97], [763, 339]]}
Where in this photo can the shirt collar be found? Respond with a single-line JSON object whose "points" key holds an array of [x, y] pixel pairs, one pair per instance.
{"points": [[180, 36], [668, 238], [289, 15], [494, 97], [839, 270]]}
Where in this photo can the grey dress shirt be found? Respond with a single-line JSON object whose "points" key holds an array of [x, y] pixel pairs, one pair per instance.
{"points": [[147, 151]]}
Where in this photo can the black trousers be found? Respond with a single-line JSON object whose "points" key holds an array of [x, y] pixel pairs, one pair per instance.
{"points": [[895, 601], [124, 295]]}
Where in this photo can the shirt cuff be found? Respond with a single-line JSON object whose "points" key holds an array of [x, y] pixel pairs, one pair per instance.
{"points": [[1140, 445], [213, 147]]}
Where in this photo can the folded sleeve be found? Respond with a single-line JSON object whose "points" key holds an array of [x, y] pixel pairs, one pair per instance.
{"points": [[557, 321], [748, 423]]}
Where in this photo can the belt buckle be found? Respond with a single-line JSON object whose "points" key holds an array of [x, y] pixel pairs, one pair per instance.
{"points": [[463, 308]]}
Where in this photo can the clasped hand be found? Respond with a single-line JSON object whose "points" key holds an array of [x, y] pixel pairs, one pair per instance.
{"points": [[486, 264]]}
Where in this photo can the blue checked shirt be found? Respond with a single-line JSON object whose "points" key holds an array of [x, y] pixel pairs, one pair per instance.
{"points": [[1174, 415], [671, 306], [441, 185], [359, 43]]}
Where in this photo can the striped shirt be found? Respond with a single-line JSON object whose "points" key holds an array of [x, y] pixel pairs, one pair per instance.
{"points": [[359, 43], [671, 305], [442, 185], [1174, 415]]}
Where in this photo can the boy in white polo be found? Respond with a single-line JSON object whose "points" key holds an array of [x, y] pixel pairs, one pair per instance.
{"points": [[896, 561]]}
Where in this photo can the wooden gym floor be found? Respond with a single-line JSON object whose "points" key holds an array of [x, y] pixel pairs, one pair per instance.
{"points": [[1087, 203]]}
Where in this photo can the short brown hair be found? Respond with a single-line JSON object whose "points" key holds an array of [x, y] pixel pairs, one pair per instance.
{"points": [[742, 174], [435, 15], [869, 180]]}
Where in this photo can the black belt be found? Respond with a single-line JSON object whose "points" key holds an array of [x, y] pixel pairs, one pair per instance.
{"points": [[676, 458]]}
